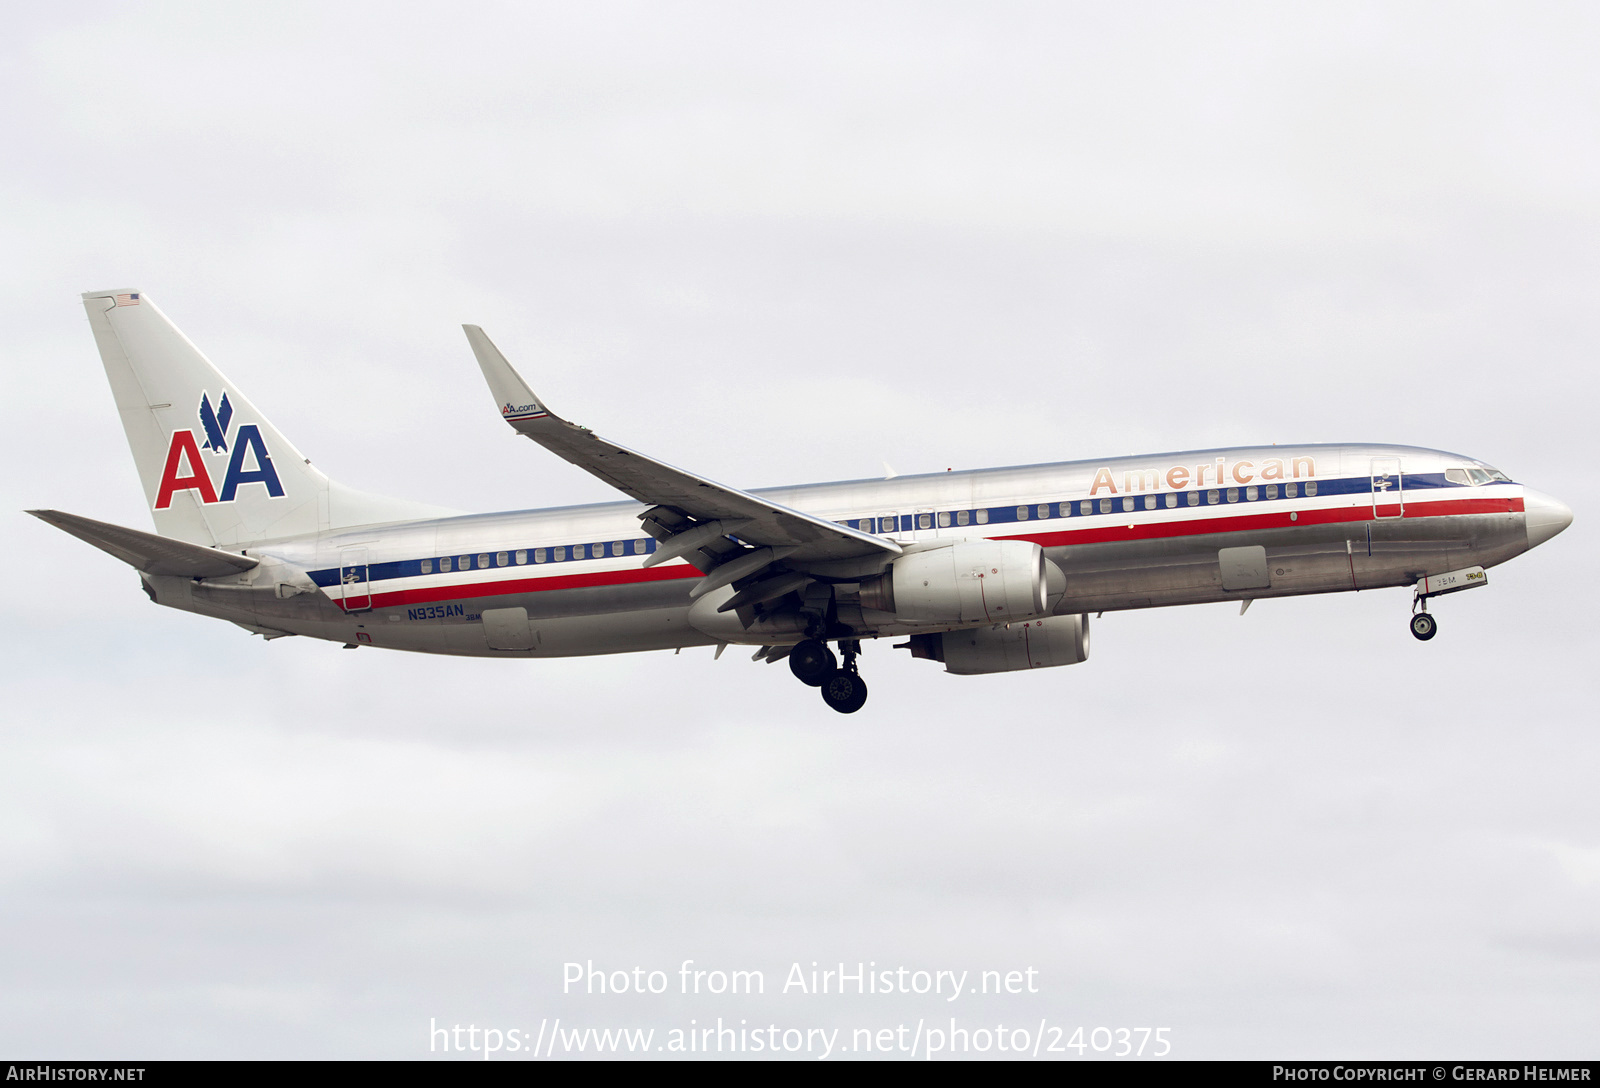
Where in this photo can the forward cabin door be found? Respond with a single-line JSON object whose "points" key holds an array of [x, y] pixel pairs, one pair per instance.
{"points": [[1388, 489], [354, 589]]}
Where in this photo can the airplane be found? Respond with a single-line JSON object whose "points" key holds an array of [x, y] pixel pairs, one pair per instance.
{"points": [[984, 571]]}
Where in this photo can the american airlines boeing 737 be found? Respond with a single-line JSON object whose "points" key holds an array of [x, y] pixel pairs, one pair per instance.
{"points": [[984, 571]]}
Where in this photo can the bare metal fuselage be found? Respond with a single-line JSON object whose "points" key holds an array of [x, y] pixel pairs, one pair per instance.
{"points": [[1329, 518]]}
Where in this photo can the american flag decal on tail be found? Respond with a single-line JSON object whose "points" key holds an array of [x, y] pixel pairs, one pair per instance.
{"points": [[128, 299]]}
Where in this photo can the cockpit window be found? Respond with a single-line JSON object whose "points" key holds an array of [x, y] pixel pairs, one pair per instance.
{"points": [[1479, 476], [1457, 476]]}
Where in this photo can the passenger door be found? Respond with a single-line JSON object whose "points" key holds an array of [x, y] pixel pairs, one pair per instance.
{"points": [[354, 589], [1388, 488]]}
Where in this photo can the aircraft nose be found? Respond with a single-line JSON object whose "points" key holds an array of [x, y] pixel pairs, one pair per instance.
{"points": [[1545, 516]]}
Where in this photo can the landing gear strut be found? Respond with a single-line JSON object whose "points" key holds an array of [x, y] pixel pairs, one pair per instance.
{"points": [[843, 689], [1423, 626]]}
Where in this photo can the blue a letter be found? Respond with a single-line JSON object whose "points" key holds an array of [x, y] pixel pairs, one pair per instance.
{"points": [[249, 439]]}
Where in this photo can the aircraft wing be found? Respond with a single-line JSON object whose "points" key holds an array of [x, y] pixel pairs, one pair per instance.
{"points": [[148, 552], [792, 535]]}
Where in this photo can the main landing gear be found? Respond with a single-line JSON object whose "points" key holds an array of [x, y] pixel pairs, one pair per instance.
{"points": [[842, 687]]}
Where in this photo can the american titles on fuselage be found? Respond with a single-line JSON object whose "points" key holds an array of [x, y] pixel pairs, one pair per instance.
{"points": [[1222, 472]]}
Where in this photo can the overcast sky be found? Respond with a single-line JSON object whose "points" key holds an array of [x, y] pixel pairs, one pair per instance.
{"points": [[777, 244]]}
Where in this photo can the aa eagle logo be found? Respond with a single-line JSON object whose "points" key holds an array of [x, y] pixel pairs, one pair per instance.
{"points": [[187, 468], [215, 423]]}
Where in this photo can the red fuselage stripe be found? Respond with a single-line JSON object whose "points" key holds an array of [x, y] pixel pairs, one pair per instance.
{"points": [[459, 592], [1099, 534], [1108, 534]]}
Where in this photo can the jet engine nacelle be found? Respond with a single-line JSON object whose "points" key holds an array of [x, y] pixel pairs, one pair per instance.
{"points": [[1032, 644], [987, 581]]}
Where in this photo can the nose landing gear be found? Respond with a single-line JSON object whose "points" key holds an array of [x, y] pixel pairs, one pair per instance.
{"points": [[1424, 626]]}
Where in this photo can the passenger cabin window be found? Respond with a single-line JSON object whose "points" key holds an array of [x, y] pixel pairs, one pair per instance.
{"points": [[427, 566], [1194, 498], [962, 517], [1066, 509], [1250, 494], [1272, 491], [1149, 502], [1212, 496], [1105, 506], [1311, 487], [500, 559], [1233, 494], [638, 547], [1022, 513], [1127, 504], [1172, 500], [983, 517], [522, 557], [944, 519], [444, 564], [924, 521], [1043, 510], [558, 554], [1086, 506], [888, 525], [483, 562], [865, 525], [540, 555], [466, 562], [1290, 490]]}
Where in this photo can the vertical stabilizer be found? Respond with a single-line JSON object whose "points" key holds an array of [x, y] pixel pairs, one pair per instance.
{"points": [[214, 469]]}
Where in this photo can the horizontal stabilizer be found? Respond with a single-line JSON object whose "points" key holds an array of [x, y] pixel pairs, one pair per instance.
{"points": [[147, 552]]}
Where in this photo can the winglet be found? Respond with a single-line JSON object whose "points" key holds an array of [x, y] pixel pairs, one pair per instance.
{"points": [[517, 402], [757, 521]]}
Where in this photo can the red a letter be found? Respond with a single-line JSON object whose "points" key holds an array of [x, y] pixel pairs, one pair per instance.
{"points": [[199, 479]]}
